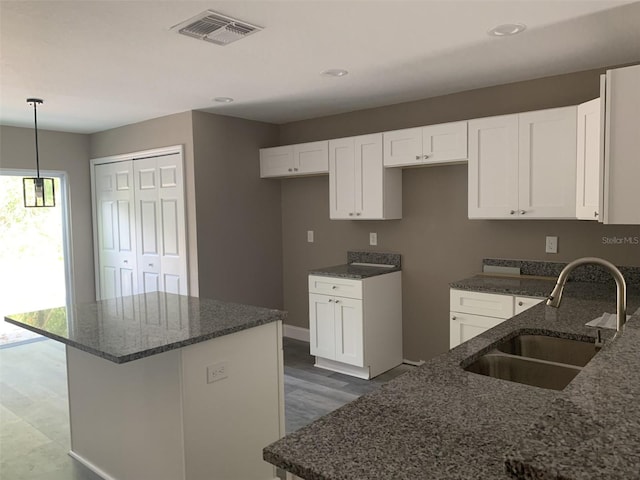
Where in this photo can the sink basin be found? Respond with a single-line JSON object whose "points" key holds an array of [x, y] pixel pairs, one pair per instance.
{"points": [[552, 349], [553, 376], [538, 360]]}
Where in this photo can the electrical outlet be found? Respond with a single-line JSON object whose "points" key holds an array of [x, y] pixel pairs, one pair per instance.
{"points": [[373, 238], [551, 245], [310, 236], [217, 371]]}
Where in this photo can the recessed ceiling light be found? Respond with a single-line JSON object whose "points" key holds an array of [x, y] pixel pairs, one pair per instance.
{"points": [[334, 72], [223, 99], [507, 29]]}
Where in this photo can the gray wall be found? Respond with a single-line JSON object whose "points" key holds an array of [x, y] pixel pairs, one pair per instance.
{"points": [[438, 243], [66, 152], [238, 217], [166, 131]]}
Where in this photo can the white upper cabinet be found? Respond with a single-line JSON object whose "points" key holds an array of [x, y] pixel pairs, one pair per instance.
{"points": [[589, 166], [360, 188], [302, 159], [621, 196], [523, 165], [434, 144]]}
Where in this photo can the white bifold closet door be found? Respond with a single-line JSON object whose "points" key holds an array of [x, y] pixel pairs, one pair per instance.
{"points": [[160, 232], [141, 226]]}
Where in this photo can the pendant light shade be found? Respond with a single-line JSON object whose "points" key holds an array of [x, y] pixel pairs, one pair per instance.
{"points": [[38, 191]]}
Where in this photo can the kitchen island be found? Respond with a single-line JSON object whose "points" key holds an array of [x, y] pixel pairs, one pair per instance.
{"points": [[442, 422], [165, 386]]}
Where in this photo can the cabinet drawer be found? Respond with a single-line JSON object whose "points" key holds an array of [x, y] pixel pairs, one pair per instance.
{"points": [[339, 287], [525, 303], [486, 304]]}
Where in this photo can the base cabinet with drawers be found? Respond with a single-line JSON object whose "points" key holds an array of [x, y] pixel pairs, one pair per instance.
{"points": [[355, 326], [472, 313]]}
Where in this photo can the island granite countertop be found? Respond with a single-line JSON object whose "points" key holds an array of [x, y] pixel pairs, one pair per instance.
{"points": [[130, 328], [440, 421]]}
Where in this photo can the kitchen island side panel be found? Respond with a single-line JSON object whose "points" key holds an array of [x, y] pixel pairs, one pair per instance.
{"points": [[126, 420]]}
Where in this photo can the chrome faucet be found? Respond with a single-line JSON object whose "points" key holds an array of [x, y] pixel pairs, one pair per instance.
{"points": [[621, 286]]}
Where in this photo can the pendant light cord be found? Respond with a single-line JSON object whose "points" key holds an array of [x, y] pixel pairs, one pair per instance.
{"points": [[35, 122]]}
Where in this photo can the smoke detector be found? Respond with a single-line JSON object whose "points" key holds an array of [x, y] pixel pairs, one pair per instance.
{"points": [[216, 28]]}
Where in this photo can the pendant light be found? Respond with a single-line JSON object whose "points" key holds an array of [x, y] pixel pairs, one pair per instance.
{"points": [[38, 191]]}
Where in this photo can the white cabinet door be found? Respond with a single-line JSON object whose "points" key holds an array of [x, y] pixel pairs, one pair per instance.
{"points": [[369, 185], [525, 303], [465, 326], [322, 331], [589, 166], [310, 158], [349, 341], [403, 147], [446, 142], [342, 179], [621, 147], [547, 163], [493, 167], [276, 161], [115, 229]]}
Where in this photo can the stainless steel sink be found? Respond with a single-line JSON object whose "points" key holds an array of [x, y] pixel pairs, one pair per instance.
{"points": [[552, 349], [538, 360]]}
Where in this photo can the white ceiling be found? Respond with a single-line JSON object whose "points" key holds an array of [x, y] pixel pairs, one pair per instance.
{"points": [[103, 64]]}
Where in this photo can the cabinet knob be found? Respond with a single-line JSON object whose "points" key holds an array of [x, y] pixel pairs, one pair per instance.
{"points": [[291, 169], [522, 212], [331, 300], [358, 214], [425, 156], [126, 261], [151, 264], [595, 214], [520, 303], [417, 157], [512, 212], [454, 318], [351, 214], [337, 301], [295, 169], [334, 287]]}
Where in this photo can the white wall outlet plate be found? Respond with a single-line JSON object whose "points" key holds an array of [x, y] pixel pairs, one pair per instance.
{"points": [[551, 245], [310, 236], [217, 371], [373, 238]]}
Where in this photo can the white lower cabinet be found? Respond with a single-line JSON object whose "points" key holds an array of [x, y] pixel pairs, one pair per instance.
{"points": [[355, 326], [472, 313]]}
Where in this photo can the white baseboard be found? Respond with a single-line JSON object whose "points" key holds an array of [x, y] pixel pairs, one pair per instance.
{"points": [[91, 466], [413, 362], [298, 333]]}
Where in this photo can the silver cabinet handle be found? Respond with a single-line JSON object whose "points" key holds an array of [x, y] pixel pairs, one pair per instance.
{"points": [[126, 261], [291, 169], [595, 214], [512, 212], [351, 214], [151, 264], [425, 156], [522, 212], [417, 157], [358, 214], [520, 303], [454, 318], [337, 301], [295, 169], [331, 300], [334, 287]]}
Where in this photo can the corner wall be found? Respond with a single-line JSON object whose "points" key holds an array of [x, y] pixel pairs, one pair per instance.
{"points": [[438, 243], [66, 152]]}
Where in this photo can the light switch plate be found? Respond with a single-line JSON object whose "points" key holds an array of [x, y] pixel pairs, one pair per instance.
{"points": [[373, 238], [551, 245], [310, 236]]}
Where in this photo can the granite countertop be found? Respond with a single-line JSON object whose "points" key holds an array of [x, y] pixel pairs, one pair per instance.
{"points": [[130, 328], [439, 421], [356, 272]]}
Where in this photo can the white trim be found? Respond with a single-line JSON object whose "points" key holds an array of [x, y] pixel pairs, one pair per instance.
{"points": [[298, 333], [340, 367], [413, 363], [91, 466]]}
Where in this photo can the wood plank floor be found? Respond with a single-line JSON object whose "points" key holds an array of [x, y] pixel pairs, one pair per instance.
{"points": [[34, 418]]}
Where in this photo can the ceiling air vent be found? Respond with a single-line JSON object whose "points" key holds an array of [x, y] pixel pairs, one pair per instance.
{"points": [[216, 28]]}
